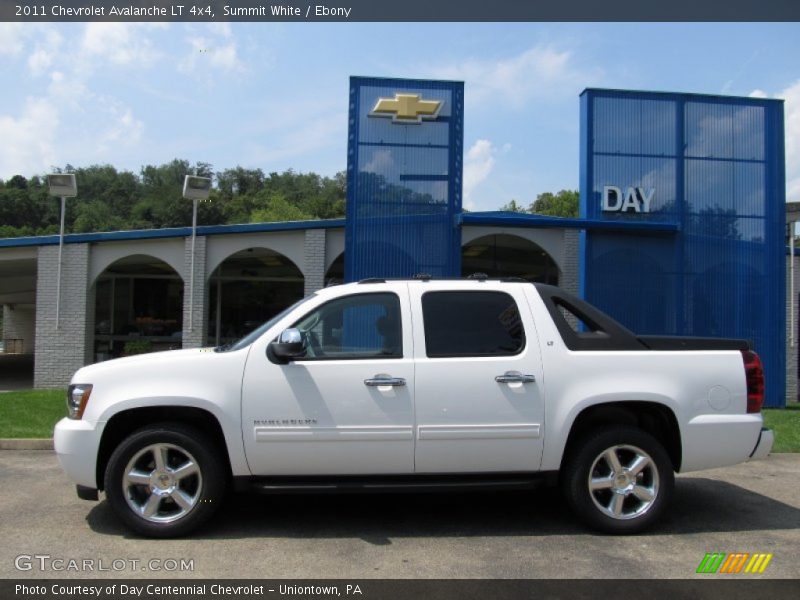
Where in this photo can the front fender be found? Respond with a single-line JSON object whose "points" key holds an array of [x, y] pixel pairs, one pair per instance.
{"points": [[230, 422]]}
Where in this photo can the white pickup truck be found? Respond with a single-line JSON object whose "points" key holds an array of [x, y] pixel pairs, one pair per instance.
{"points": [[415, 384]]}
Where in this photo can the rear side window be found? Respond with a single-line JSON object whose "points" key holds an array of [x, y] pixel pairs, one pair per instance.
{"points": [[471, 324]]}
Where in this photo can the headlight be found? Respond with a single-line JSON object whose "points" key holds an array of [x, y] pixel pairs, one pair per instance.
{"points": [[77, 397]]}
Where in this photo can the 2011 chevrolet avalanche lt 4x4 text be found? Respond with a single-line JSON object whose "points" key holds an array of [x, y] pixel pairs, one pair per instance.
{"points": [[422, 384]]}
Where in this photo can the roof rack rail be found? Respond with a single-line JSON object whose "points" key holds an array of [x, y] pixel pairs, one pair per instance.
{"points": [[428, 277]]}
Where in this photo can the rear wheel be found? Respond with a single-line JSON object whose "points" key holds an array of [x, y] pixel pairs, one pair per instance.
{"points": [[619, 480], [165, 480]]}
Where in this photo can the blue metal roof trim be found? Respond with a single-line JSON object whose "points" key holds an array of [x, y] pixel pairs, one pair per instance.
{"points": [[693, 96], [143, 234], [511, 219]]}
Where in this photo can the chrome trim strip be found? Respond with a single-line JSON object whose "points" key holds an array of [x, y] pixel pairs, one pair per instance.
{"points": [[478, 432], [333, 434]]}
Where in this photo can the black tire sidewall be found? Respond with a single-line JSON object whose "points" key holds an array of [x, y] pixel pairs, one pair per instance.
{"points": [[196, 443], [576, 473]]}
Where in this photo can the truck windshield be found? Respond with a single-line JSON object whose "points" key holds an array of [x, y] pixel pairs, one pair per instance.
{"points": [[259, 331]]}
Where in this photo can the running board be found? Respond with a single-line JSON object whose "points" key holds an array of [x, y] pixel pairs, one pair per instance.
{"points": [[393, 484]]}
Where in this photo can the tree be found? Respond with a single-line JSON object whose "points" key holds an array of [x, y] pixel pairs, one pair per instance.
{"points": [[109, 199], [276, 208], [240, 181], [96, 216], [562, 204], [513, 206], [17, 181]]}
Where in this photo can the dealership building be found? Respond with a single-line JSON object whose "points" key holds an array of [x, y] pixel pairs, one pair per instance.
{"points": [[681, 232]]}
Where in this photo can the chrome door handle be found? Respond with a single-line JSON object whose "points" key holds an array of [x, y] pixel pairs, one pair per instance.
{"points": [[515, 377], [381, 380]]}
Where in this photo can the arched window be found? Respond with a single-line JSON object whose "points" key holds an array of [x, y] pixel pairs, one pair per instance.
{"points": [[248, 288], [503, 255]]}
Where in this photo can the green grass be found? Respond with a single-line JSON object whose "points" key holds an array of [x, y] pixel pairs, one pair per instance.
{"points": [[786, 424], [31, 413]]}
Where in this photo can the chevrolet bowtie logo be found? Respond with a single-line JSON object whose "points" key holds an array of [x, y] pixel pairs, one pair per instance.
{"points": [[407, 108]]}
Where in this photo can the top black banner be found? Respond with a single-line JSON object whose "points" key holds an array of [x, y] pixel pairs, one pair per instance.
{"points": [[400, 10]]}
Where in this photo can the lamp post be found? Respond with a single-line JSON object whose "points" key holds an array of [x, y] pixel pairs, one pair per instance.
{"points": [[194, 188], [61, 185]]}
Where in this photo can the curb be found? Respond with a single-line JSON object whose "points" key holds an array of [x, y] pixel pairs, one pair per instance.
{"points": [[26, 444]]}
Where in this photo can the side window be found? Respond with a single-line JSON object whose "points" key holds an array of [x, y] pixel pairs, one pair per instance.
{"points": [[471, 324], [357, 326]]}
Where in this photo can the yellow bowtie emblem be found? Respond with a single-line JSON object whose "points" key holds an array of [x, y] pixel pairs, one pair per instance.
{"points": [[407, 108]]}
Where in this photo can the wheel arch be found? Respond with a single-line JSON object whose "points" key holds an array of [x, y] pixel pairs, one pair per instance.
{"points": [[655, 418], [125, 422]]}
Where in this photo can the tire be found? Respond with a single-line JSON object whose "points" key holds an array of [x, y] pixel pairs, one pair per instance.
{"points": [[170, 500], [624, 499]]}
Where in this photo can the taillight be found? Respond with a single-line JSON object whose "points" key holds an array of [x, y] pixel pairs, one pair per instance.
{"points": [[754, 374]]}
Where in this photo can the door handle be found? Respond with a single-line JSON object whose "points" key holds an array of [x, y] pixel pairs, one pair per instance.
{"points": [[515, 377], [381, 380]]}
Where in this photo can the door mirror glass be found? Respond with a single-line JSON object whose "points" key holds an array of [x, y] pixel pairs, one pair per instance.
{"points": [[290, 336], [290, 345]]}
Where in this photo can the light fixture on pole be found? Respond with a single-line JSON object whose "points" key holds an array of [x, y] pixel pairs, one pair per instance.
{"points": [[61, 185], [194, 188]]}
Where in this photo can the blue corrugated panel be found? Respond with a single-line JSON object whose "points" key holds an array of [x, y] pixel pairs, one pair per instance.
{"points": [[403, 182], [714, 167]]}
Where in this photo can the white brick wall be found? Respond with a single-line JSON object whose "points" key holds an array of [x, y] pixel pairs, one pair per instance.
{"points": [[314, 268], [791, 351], [194, 334], [19, 323], [570, 262], [62, 350]]}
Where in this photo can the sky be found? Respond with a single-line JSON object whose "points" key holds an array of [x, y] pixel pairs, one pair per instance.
{"points": [[274, 95]]}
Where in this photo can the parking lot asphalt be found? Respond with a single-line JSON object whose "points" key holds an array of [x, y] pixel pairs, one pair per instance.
{"points": [[753, 507]]}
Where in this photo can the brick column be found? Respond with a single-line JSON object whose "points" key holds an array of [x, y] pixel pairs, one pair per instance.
{"points": [[194, 336], [791, 351], [62, 350], [314, 269], [570, 261]]}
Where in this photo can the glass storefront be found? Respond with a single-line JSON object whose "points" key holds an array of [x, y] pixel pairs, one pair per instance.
{"points": [[138, 308], [247, 289], [505, 255]]}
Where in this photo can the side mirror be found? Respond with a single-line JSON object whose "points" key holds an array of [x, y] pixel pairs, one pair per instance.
{"points": [[289, 345]]}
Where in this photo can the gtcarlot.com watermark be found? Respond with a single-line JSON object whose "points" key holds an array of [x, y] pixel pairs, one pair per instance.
{"points": [[48, 563]]}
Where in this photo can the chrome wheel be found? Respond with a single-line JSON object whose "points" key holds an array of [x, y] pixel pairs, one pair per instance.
{"points": [[162, 483], [623, 482]]}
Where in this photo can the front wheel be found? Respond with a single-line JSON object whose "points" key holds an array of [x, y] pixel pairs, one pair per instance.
{"points": [[165, 480], [619, 480]]}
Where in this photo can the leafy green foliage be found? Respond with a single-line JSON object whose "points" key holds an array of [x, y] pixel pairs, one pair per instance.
{"points": [[562, 204], [111, 200], [513, 206], [276, 208]]}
